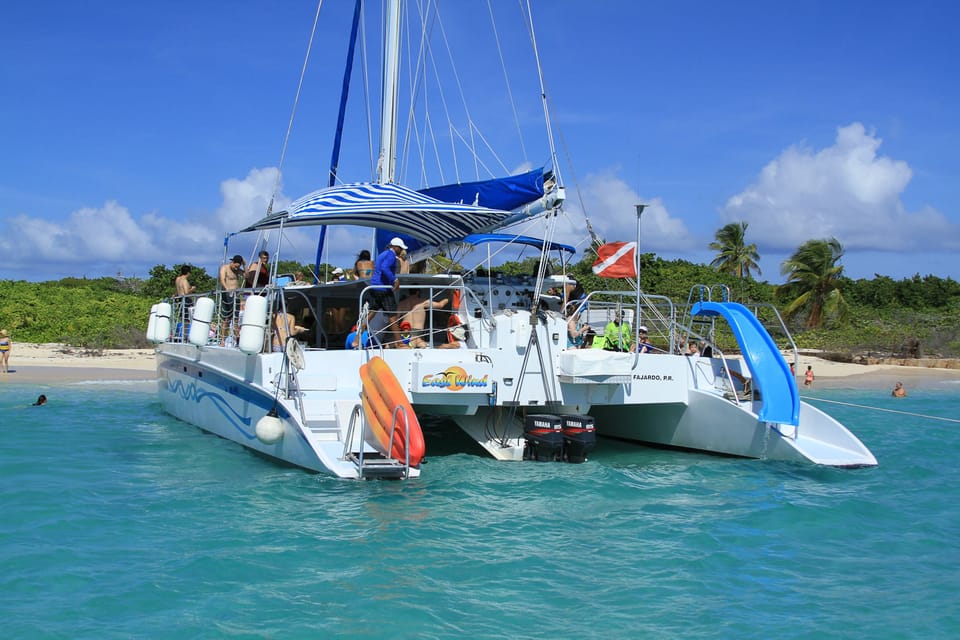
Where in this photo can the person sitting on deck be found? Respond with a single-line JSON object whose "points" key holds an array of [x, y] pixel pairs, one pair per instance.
{"points": [[617, 334], [747, 385], [413, 311], [357, 339], [643, 343], [409, 338], [689, 347], [458, 337], [576, 330]]}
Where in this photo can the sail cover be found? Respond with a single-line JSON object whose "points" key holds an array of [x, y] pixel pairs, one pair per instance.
{"points": [[385, 206], [499, 193], [507, 194]]}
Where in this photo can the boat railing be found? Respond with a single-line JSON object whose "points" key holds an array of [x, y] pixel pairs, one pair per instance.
{"points": [[779, 324], [657, 314], [379, 339], [772, 321], [227, 306]]}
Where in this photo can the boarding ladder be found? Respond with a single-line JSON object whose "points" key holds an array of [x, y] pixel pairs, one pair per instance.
{"points": [[372, 464], [702, 326]]}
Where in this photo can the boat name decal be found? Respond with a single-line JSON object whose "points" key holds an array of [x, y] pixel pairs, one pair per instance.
{"points": [[455, 379], [652, 376]]}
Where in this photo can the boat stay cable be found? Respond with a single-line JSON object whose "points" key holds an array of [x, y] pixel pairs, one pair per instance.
{"points": [[293, 111], [506, 79], [865, 406]]}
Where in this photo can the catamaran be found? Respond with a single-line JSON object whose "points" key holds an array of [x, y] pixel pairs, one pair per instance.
{"points": [[318, 377]]}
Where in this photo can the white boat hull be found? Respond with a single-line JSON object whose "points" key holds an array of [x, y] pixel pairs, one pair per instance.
{"points": [[219, 391]]}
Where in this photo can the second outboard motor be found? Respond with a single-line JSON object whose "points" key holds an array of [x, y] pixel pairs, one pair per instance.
{"points": [[544, 436], [579, 437]]}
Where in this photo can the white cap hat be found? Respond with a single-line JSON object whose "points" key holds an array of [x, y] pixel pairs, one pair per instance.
{"points": [[643, 328], [459, 332], [397, 242], [338, 270]]}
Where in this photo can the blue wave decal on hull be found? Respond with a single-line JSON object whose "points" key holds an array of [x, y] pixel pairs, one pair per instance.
{"points": [[191, 392]]}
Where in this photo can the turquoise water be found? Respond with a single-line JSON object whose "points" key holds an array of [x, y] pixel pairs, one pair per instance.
{"points": [[121, 522]]}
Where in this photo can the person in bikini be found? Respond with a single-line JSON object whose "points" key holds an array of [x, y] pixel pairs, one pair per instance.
{"points": [[363, 267], [284, 326], [6, 344]]}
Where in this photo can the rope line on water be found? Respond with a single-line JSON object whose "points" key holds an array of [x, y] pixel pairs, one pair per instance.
{"points": [[864, 406]]}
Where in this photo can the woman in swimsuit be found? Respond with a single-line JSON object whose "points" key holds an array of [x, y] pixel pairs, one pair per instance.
{"points": [[5, 345], [363, 267]]}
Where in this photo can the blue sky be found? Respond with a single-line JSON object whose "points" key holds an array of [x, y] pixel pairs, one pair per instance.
{"points": [[133, 134]]}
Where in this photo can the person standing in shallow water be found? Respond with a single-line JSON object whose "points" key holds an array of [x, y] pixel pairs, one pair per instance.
{"points": [[808, 377], [899, 391], [6, 344]]}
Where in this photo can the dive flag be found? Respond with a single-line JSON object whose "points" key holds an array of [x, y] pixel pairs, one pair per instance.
{"points": [[616, 260]]}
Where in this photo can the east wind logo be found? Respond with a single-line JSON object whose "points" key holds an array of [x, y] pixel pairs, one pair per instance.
{"points": [[454, 379]]}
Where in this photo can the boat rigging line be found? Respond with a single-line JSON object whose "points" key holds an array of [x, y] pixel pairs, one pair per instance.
{"points": [[864, 406], [293, 111]]}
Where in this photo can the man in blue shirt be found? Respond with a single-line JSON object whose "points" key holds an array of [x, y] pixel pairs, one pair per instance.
{"points": [[384, 299]]}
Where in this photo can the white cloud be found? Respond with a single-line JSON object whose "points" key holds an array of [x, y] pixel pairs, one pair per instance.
{"points": [[611, 208], [95, 241], [847, 191], [245, 201]]}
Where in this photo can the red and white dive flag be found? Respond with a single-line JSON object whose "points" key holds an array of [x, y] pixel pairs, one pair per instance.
{"points": [[616, 260]]}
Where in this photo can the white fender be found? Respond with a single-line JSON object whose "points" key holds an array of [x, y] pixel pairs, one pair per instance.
{"points": [[269, 428], [161, 324], [152, 323], [254, 324], [200, 325]]}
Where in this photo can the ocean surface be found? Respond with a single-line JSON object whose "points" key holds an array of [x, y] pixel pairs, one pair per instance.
{"points": [[119, 521]]}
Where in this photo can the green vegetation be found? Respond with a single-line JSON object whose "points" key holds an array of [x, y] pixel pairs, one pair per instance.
{"points": [[909, 317], [734, 255], [95, 314], [813, 283]]}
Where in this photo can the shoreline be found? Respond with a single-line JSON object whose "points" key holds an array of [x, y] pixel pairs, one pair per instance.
{"points": [[51, 363]]}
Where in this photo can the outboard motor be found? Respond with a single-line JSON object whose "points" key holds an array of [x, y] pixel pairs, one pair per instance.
{"points": [[579, 437], [544, 436]]}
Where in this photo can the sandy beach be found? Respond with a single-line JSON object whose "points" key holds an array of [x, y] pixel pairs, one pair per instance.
{"points": [[52, 363]]}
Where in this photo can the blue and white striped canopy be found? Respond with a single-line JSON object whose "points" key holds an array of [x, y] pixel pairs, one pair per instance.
{"points": [[385, 206]]}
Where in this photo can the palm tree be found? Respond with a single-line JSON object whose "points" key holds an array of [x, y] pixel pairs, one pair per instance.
{"points": [[813, 274], [735, 256]]}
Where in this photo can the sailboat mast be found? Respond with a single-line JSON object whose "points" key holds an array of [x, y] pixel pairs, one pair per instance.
{"points": [[386, 167]]}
